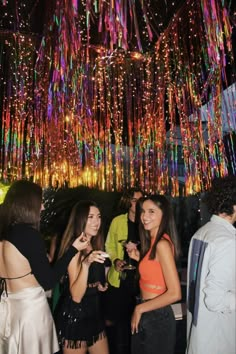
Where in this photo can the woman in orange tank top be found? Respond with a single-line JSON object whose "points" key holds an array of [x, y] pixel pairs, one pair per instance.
{"points": [[153, 322]]}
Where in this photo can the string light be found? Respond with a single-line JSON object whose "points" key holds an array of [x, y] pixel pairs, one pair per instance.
{"points": [[99, 115]]}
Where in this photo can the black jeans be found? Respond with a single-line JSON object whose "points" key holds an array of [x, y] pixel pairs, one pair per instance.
{"points": [[156, 334]]}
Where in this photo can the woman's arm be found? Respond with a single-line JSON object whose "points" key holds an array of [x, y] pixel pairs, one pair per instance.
{"points": [[133, 253], [78, 271], [78, 277], [31, 245], [164, 255]]}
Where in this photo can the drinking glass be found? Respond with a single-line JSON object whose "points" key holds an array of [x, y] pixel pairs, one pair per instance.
{"points": [[124, 243]]}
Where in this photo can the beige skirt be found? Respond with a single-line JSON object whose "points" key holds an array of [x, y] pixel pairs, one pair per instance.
{"points": [[26, 323]]}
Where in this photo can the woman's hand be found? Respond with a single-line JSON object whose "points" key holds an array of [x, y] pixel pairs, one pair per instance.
{"points": [[80, 242], [95, 256], [135, 319], [130, 246], [102, 287], [119, 264], [133, 253]]}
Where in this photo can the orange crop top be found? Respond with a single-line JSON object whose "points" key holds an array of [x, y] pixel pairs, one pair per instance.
{"points": [[151, 275]]}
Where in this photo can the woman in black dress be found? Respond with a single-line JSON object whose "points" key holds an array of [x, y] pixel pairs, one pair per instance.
{"points": [[78, 317]]}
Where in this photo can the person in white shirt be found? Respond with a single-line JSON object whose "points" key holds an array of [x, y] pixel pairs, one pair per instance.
{"points": [[211, 283]]}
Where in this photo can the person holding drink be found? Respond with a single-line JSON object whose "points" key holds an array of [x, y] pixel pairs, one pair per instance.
{"points": [[78, 315], [153, 322], [120, 297]]}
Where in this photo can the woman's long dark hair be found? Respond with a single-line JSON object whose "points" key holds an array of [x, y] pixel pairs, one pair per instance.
{"points": [[167, 226], [76, 225], [22, 204]]}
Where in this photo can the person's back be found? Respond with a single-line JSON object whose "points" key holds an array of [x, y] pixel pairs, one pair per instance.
{"points": [[211, 316], [15, 268], [26, 323]]}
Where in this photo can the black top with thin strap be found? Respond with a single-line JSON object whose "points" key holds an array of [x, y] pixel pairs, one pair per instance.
{"points": [[30, 244], [3, 283]]}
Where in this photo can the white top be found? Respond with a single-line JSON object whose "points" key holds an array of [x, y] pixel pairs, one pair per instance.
{"points": [[212, 280]]}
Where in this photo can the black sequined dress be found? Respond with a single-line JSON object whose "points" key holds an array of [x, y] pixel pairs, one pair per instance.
{"points": [[81, 324]]}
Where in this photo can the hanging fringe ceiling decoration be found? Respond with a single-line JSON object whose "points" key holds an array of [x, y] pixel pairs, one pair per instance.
{"points": [[112, 115]]}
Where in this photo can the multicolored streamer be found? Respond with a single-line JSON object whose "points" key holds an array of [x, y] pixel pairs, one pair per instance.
{"points": [[112, 116]]}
